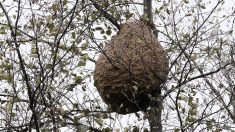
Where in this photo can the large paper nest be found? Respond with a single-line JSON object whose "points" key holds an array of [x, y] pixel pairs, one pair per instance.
{"points": [[131, 69]]}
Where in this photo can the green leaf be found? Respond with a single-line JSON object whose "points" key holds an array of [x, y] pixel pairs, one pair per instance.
{"points": [[78, 79], [49, 66], [84, 46], [61, 111], [193, 112], [18, 33], [73, 35], [129, 15], [71, 87], [79, 40], [107, 129], [65, 2], [33, 51], [63, 124], [98, 28], [99, 121], [105, 116], [54, 7], [62, 46], [75, 105], [96, 83], [75, 119], [177, 130], [2, 32], [209, 125], [135, 129], [84, 57], [45, 130], [8, 77], [203, 6], [102, 31], [186, 1], [51, 27], [101, 45], [146, 130], [82, 63], [109, 32], [13, 114], [14, 16]]}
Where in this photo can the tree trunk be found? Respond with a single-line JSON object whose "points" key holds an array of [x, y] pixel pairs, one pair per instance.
{"points": [[154, 113], [147, 10]]}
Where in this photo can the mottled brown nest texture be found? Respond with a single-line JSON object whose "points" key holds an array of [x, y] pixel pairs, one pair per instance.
{"points": [[131, 68]]}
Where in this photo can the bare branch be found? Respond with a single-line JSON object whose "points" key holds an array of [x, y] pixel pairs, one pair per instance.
{"points": [[105, 14]]}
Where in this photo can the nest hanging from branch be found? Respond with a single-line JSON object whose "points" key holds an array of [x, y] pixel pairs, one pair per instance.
{"points": [[131, 68]]}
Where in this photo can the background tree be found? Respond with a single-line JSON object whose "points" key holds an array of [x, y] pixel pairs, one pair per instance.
{"points": [[48, 51]]}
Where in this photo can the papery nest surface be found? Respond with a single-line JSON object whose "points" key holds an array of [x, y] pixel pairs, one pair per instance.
{"points": [[130, 68]]}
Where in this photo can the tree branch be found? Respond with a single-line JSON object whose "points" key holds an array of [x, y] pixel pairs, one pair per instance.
{"points": [[23, 69], [105, 14]]}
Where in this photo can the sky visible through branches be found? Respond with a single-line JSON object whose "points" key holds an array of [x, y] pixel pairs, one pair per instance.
{"points": [[48, 51]]}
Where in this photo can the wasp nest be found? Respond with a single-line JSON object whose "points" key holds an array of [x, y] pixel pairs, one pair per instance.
{"points": [[131, 68]]}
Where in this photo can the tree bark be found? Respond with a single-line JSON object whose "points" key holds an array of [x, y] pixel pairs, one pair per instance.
{"points": [[154, 113], [147, 11]]}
